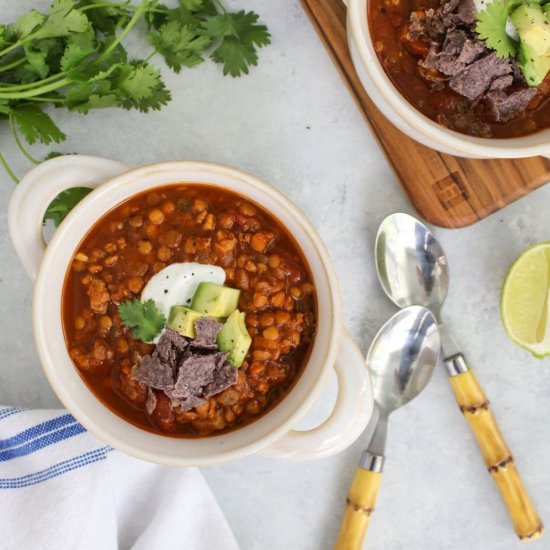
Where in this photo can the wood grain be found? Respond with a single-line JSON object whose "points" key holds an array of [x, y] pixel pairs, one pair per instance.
{"points": [[447, 191]]}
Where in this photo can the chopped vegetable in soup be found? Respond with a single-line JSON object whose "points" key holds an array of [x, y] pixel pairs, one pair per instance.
{"points": [[188, 310], [467, 69]]}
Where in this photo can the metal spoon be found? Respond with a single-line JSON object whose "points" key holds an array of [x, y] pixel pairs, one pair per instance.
{"points": [[400, 360], [413, 269]]}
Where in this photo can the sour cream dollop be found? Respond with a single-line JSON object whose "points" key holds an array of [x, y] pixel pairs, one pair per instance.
{"points": [[176, 284]]}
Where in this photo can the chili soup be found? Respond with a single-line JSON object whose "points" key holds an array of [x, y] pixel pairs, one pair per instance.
{"points": [[189, 224]]}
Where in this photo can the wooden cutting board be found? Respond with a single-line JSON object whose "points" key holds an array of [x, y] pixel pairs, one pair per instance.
{"points": [[447, 191]]}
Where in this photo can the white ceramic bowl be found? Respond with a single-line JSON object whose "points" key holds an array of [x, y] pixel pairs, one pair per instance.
{"points": [[272, 433], [410, 120]]}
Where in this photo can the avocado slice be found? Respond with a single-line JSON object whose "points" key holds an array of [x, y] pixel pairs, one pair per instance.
{"points": [[534, 67], [533, 28], [234, 338], [182, 320], [215, 300]]}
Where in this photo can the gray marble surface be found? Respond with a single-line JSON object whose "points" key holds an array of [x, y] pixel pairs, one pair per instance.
{"points": [[292, 123]]}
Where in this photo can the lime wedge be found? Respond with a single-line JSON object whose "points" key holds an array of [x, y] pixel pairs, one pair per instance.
{"points": [[524, 300]]}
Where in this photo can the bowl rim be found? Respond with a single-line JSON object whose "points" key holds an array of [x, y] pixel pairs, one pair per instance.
{"points": [[476, 146], [54, 355]]}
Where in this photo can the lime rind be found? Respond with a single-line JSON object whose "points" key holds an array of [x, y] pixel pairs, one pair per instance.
{"points": [[525, 298]]}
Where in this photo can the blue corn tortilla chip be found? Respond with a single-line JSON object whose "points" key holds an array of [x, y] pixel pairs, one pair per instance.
{"points": [[170, 346], [194, 373], [206, 330], [187, 371], [224, 377], [154, 373]]}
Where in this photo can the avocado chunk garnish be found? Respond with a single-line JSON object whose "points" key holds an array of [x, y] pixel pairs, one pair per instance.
{"points": [[533, 28], [215, 300], [182, 319], [234, 339], [534, 67]]}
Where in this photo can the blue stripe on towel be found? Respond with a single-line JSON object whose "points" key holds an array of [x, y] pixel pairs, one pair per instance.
{"points": [[9, 411], [56, 470], [35, 431], [41, 442]]}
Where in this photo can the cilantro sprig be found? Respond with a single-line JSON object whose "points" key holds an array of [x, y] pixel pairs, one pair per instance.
{"points": [[73, 56], [143, 318], [64, 203], [491, 26]]}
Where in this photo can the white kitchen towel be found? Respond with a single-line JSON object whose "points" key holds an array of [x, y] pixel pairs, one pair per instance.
{"points": [[60, 488]]}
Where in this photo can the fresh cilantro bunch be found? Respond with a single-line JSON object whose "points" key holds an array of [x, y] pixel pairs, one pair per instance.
{"points": [[143, 318], [73, 57]]}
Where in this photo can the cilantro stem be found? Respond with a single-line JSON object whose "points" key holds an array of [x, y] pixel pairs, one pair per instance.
{"points": [[150, 56], [48, 99], [12, 65], [12, 47], [18, 141], [20, 87], [220, 5], [139, 12], [4, 164], [120, 6], [26, 94], [106, 5]]}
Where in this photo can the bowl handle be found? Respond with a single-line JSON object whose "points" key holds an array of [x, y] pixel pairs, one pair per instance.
{"points": [[36, 191], [351, 413]]}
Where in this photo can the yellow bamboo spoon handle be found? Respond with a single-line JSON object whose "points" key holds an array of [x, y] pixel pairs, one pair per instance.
{"points": [[474, 405], [359, 508]]}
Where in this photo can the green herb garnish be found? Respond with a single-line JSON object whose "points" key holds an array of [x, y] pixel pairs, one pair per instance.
{"points": [[73, 57], [64, 203], [491, 27], [144, 319]]}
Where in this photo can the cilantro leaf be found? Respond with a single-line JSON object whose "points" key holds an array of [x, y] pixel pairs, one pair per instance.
{"points": [[140, 86], [35, 124], [91, 95], [179, 45], [62, 20], [55, 154], [28, 22], [65, 201], [107, 19], [144, 319], [241, 36], [41, 59], [74, 53], [36, 66], [219, 26], [491, 27], [137, 82], [191, 5], [235, 56]]}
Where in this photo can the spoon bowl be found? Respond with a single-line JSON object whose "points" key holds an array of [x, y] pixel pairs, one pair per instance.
{"points": [[402, 357], [411, 264]]}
